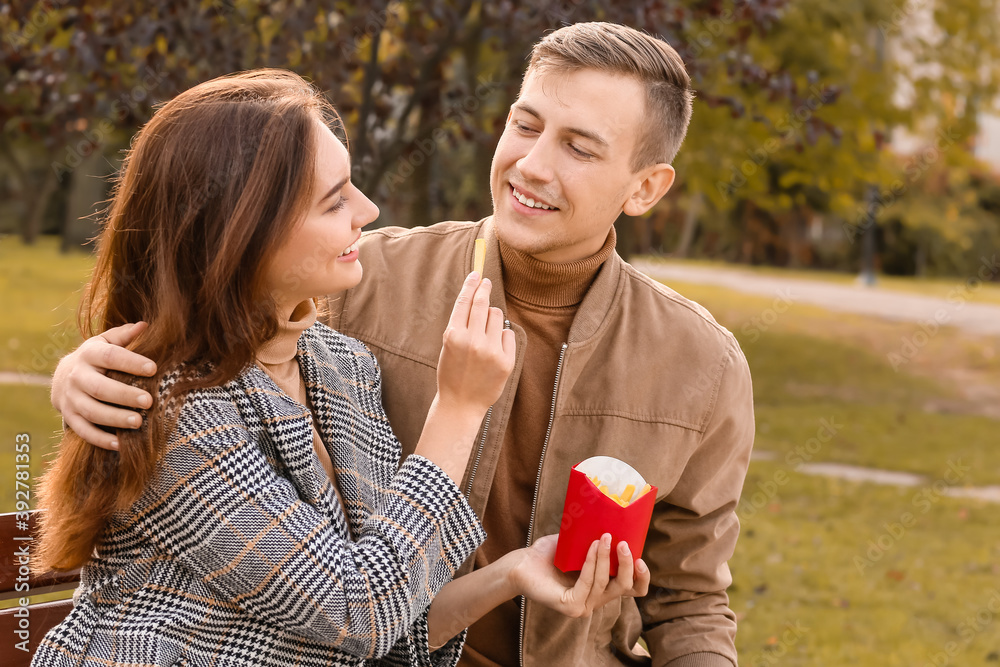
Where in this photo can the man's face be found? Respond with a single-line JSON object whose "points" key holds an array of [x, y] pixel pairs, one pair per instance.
{"points": [[567, 145]]}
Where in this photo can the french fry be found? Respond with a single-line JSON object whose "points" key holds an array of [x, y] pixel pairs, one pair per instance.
{"points": [[626, 495], [479, 259]]}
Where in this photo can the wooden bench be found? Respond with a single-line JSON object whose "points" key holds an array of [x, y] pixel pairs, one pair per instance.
{"points": [[24, 626]]}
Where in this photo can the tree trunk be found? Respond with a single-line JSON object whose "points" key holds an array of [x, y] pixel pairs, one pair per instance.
{"points": [[695, 204], [31, 224], [88, 191]]}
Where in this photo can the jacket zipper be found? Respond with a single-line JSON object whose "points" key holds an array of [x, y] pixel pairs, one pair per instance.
{"points": [[538, 479], [482, 440], [479, 453]]}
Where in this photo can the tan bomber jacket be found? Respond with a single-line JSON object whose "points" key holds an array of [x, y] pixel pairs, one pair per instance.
{"points": [[646, 376]]}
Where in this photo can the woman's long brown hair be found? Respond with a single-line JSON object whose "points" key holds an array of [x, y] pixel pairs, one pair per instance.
{"points": [[210, 186]]}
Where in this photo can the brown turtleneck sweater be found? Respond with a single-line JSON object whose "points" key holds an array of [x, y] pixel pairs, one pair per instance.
{"points": [[278, 359], [542, 298]]}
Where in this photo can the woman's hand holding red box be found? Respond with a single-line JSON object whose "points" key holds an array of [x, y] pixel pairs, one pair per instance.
{"points": [[535, 575]]}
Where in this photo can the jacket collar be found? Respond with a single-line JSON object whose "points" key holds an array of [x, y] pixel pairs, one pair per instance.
{"points": [[593, 309], [288, 425], [333, 394]]}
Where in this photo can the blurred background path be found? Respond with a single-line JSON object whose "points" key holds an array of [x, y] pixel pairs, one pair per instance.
{"points": [[953, 310]]}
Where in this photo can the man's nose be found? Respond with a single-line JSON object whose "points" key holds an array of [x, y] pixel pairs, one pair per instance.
{"points": [[537, 164]]}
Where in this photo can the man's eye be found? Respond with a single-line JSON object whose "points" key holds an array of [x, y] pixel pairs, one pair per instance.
{"points": [[521, 127], [580, 152]]}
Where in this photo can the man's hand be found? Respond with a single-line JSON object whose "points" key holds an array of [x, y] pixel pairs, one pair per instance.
{"points": [[81, 391], [539, 580]]}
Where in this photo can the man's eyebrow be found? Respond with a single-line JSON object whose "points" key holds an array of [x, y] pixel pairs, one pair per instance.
{"points": [[587, 134], [338, 186]]}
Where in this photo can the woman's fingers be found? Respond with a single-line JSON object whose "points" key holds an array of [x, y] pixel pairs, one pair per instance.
{"points": [[509, 347], [624, 578], [581, 591], [494, 325], [463, 304], [479, 313], [641, 586], [603, 569]]}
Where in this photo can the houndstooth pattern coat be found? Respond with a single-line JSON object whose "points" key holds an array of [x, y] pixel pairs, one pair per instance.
{"points": [[240, 554]]}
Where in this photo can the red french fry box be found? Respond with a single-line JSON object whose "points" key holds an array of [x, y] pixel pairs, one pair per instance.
{"points": [[588, 513]]}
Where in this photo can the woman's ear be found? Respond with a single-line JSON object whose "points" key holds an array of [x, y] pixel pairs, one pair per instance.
{"points": [[656, 180]]}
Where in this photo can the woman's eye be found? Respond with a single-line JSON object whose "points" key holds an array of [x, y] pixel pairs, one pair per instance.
{"points": [[338, 206]]}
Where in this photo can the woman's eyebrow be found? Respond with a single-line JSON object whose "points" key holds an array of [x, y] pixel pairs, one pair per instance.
{"points": [[340, 184]]}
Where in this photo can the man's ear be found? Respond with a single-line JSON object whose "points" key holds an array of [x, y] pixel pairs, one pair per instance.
{"points": [[656, 180]]}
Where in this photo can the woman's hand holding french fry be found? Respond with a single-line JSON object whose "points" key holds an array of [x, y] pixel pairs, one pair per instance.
{"points": [[534, 576], [477, 356], [478, 353]]}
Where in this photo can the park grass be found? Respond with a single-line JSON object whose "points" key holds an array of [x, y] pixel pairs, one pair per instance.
{"points": [[831, 572], [41, 290], [957, 287]]}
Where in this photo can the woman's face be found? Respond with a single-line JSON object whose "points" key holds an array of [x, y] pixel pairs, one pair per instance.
{"points": [[320, 255]]}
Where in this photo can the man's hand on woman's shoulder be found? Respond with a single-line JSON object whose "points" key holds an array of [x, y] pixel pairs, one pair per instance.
{"points": [[88, 399]]}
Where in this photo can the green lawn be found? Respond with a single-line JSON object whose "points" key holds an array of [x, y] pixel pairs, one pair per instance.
{"points": [[830, 572], [837, 573], [826, 572], [41, 290]]}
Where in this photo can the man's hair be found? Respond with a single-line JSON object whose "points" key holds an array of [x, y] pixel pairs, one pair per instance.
{"points": [[618, 49]]}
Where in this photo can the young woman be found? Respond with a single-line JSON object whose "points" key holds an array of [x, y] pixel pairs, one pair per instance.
{"points": [[261, 515]]}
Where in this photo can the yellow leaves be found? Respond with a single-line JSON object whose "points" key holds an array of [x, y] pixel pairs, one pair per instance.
{"points": [[268, 29], [161, 44], [951, 213]]}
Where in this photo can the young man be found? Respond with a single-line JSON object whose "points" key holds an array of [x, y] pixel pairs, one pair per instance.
{"points": [[609, 362]]}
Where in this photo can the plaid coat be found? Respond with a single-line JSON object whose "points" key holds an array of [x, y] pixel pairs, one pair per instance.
{"points": [[239, 552]]}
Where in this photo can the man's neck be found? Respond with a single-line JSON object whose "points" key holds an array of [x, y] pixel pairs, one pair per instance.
{"points": [[549, 284]]}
